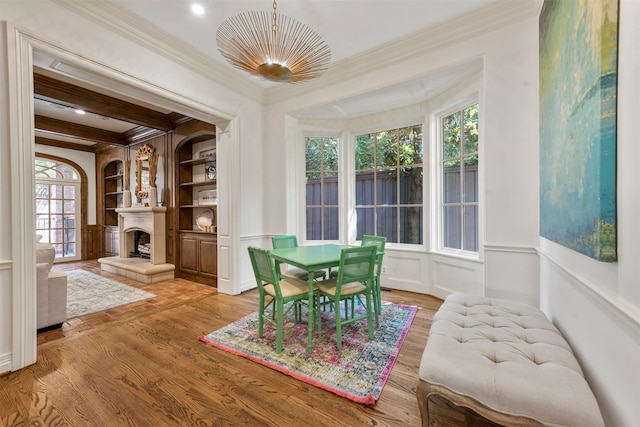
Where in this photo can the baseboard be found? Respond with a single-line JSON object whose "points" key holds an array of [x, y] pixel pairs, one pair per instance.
{"points": [[6, 362]]}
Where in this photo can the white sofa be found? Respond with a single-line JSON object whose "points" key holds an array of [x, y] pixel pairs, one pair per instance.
{"points": [[51, 290]]}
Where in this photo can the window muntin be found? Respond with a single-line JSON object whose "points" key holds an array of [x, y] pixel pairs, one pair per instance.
{"points": [[389, 185], [321, 159], [57, 207], [460, 180]]}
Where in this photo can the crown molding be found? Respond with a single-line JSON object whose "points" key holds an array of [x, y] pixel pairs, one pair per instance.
{"points": [[485, 20], [116, 18]]}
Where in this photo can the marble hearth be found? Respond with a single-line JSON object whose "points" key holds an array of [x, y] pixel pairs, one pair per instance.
{"points": [[154, 269]]}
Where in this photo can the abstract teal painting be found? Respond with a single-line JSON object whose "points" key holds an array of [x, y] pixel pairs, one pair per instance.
{"points": [[578, 85]]}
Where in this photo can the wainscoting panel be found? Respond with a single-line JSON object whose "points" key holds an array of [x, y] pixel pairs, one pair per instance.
{"points": [[512, 272], [452, 275], [6, 319], [404, 271]]}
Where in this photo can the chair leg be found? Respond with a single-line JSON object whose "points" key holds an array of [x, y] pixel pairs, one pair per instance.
{"points": [[261, 316], [369, 319], [339, 324], [279, 327]]}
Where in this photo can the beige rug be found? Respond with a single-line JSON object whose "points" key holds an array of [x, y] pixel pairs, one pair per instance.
{"points": [[90, 293]]}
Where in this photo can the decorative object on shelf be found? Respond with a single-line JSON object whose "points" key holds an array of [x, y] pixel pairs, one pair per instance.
{"points": [[210, 171], [205, 220], [207, 152], [207, 197], [153, 196], [274, 47]]}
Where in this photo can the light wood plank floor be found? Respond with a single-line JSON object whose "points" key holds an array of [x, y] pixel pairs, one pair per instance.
{"points": [[143, 365]]}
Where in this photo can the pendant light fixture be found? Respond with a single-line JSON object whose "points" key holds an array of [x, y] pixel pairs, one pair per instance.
{"points": [[272, 46]]}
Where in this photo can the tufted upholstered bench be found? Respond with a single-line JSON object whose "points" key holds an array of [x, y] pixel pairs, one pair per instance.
{"points": [[505, 361]]}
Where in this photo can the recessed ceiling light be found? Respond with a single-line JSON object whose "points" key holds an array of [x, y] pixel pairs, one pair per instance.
{"points": [[81, 112], [197, 9]]}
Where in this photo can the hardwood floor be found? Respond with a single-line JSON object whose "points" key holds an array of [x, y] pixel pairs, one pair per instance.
{"points": [[143, 365]]}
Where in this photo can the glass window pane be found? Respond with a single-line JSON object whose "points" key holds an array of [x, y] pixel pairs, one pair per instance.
{"points": [[331, 224], [42, 191], [56, 206], [42, 206], [69, 221], [42, 222], [411, 186], [56, 191], [387, 187], [411, 145], [67, 172], [451, 136], [470, 183], [451, 190], [387, 223], [69, 249], [314, 189], [56, 236], [471, 228], [313, 154], [330, 154], [69, 206], [387, 149], [70, 235], [364, 188], [452, 227], [314, 224], [56, 221], [471, 129], [331, 190], [364, 152], [45, 236], [365, 222], [69, 192], [411, 225]]}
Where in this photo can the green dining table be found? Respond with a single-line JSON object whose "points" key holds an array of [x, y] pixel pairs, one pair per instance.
{"points": [[309, 258]]}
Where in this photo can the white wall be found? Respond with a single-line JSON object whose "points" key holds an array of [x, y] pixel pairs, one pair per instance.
{"points": [[126, 57], [87, 161], [597, 305], [508, 156]]}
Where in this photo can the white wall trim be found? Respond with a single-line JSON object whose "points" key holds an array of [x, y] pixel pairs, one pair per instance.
{"points": [[510, 248], [5, 362], [617, 307], [6, 264]]}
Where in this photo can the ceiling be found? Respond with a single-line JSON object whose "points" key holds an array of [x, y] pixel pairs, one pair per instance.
{"points": [[350, 28]]}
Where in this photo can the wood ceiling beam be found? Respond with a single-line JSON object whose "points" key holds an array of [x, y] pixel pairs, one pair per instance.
{"points": [[64, 144], [74, 130], [58, 92]]}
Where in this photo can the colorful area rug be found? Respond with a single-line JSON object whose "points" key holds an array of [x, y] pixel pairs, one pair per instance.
{"points": [[89, 293], [359, 374]]}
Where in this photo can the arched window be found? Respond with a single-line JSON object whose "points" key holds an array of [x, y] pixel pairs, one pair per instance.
{"points": [[58, 207]]}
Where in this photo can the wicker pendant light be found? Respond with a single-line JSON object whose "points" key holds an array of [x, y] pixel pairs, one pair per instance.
{"points": [[272, 46]]}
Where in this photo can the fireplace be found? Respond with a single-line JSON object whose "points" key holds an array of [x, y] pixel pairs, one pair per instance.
{"points": [[143, 247]]}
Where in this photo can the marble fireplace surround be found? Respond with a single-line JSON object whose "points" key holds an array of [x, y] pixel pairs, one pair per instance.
{"points": [[151, 220]]}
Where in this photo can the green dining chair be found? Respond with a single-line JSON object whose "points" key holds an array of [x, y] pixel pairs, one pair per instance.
{"points": [[280, 290], [379, 242], [291, 241], [355, 278]]}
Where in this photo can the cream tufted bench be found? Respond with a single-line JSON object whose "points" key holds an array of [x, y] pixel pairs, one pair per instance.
{"points": [[505, 361]]}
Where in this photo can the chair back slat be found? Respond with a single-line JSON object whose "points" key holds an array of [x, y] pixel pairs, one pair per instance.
{"points": [[264, 268], [356, 264], [288, 241]]}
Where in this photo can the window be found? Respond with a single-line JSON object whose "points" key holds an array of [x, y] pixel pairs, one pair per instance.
{"points": [[58, 207], [322, 188], [460, 180], [389, 176]]}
